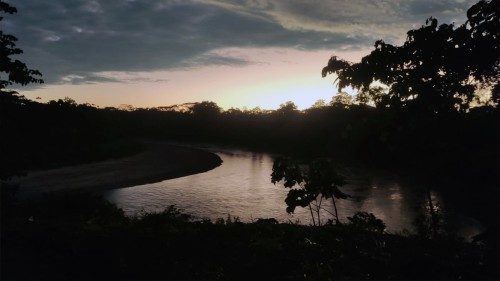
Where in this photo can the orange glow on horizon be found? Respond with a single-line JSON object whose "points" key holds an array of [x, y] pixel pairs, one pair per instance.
{"points": [[273, 77]]}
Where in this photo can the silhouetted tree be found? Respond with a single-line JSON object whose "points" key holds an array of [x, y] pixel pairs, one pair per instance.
{"points": [[15, 71], [256, 110], [371, 96], [483, 25], [12, 71], [319, 104], [438, 68], [435, 73], [286, 109], [309, 185], [126, 107], [205, 109], [342, 99], [68, 102], [367, 221]]}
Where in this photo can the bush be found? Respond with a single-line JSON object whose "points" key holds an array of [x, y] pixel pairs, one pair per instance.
{"points": [[367, 221]]}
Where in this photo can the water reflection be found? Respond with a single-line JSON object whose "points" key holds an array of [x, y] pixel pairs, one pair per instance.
{"points": [[241, 187]]}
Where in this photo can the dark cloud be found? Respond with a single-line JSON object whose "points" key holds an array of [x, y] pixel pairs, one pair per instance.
{"points": [[73, 41], [445, 10]]}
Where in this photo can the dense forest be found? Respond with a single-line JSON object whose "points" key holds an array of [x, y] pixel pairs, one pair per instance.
{"points": [[42, 135]]}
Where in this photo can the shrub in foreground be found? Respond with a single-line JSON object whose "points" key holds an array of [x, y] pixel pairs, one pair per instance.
{"points": [[84, 237]]}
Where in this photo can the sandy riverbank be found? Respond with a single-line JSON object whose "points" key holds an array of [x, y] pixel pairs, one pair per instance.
{"points": [[159, 161]]}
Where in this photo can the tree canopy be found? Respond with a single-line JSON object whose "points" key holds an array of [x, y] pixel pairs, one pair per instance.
{"points": [[438, 69], [12, 70], [309, 185], [341, 99]]}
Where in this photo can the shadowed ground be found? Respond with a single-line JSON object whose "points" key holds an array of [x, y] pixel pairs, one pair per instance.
{"points": [[159, 161]]}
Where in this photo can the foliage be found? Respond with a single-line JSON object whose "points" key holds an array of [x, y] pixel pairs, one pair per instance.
{"points": [[287, 110], [342, 99], [42, 136], [48, 238], [66, 133], [309, 185], [12, 71], [16, 72], [206, 109], [319, 104], [367, 221], [484, 28], [438, 68]]}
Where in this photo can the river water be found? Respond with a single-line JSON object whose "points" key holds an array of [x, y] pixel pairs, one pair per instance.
{"points": [[241, 187]]}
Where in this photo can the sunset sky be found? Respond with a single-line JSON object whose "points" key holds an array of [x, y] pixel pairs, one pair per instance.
{"points": [[236, 52]]}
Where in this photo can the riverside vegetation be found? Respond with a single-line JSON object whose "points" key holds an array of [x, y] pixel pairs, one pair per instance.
{"points": [[80, 236]]}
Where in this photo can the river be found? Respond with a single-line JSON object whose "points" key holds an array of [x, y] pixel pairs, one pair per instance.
{"points": [[241, 187]]}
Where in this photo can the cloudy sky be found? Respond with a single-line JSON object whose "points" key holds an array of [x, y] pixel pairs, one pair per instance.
{"points": [[234, 52]]}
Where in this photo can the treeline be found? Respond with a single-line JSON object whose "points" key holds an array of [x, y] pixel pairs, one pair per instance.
{"points": [[41, 135]]}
